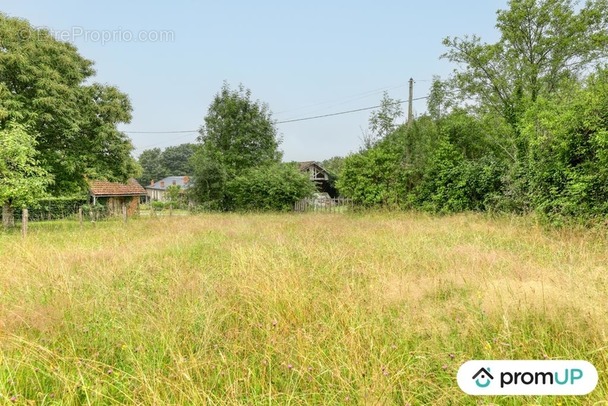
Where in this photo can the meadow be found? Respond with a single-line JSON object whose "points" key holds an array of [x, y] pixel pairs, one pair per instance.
{"points": [[369, 309]]}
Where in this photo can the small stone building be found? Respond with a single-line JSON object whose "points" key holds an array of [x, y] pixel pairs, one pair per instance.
{"points": [[114, 195]]}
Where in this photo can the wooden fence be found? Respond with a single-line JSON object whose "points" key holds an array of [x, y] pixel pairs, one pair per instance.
{"points": [[337, 205]]}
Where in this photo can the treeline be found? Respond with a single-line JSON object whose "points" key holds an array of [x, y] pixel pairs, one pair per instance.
{"points": [[157, 164], [521, 126]]}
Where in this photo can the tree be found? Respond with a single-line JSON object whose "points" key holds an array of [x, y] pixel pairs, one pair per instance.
{"points": [[334, 165], [382, 122], [544, 44], [210, 177], [440, 101], [570, 152], [273, 187], [173, 161], [174, 193], [239, 134], [374, 176], [22, 180], [43, 86], [151, 163], [176, 160]]}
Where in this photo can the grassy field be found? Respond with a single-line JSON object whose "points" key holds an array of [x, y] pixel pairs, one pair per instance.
{"points": [[293, 309]]}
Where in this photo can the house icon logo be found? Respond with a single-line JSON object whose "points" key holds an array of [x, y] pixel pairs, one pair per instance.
{"points": [[483, 378]]}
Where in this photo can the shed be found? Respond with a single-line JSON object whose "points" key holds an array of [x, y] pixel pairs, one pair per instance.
{"points": [[114, 195]]}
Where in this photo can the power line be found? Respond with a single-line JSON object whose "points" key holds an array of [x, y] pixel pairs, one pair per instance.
{"points": [[337, 102], [161, 132], [346, 112], [165, 141], [284, 121]]}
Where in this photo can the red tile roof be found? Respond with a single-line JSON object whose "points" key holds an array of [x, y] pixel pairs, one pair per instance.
{"points": [[103, 188]]}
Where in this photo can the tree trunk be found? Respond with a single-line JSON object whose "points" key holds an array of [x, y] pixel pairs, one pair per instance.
{"points": [[8, 216]]}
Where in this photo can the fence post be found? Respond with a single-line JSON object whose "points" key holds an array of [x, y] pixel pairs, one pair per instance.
{"points": [[24, 220], [80, 216], [124, 212]]}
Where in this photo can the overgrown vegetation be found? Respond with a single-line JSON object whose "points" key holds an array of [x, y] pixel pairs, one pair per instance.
{"points": [[65, 125], [237, 163], [300, 309], [520, 127]]}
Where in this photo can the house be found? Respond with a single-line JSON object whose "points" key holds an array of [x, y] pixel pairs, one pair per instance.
{"points": [[115, 195], [157, 191], [319, 176]]}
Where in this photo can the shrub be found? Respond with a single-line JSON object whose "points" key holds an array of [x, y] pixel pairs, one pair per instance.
{"points": [[274, 187]]}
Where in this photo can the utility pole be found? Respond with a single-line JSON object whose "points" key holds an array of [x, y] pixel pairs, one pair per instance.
{"points": [[410, 108]]}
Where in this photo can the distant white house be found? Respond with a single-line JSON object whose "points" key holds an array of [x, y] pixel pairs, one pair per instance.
{"points": [[157, 190]]}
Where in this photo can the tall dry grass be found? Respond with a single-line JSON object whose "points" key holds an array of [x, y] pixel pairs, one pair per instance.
{"points": [[293, 309]]}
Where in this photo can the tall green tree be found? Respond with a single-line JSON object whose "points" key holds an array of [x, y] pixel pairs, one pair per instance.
{"points": [[543, 46], [173, 161], [383, 121], [176, 159], [22, 180], [151, 163], [238, 134], [45, 85]]}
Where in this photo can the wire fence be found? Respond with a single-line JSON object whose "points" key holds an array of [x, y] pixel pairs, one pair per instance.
{"points": [[53, 210]]}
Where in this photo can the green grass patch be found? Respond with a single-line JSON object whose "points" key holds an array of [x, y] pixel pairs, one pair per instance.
{"points": [[292, 309]]}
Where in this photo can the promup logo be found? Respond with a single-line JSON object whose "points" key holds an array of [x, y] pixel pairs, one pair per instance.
{"points": [[527, 377], [483, 375]]}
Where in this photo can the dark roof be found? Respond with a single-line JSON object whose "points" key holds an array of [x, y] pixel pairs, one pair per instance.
{"points": [[102, 188], [183, 181], [305, 165]]}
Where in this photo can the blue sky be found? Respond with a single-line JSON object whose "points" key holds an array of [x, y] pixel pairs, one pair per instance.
{"points": [[302, 59]]}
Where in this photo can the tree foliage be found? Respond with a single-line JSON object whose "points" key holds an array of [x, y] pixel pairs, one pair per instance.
{"points": [[176, 160], [174, 195], [152, 168], [274, 187], [173, 161], [568, 158], [522, 124], [237, 162], [44, 86], [383, 121], [22, 180], [441, 165], [372, 177], [239, 132], [544, 45]]}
